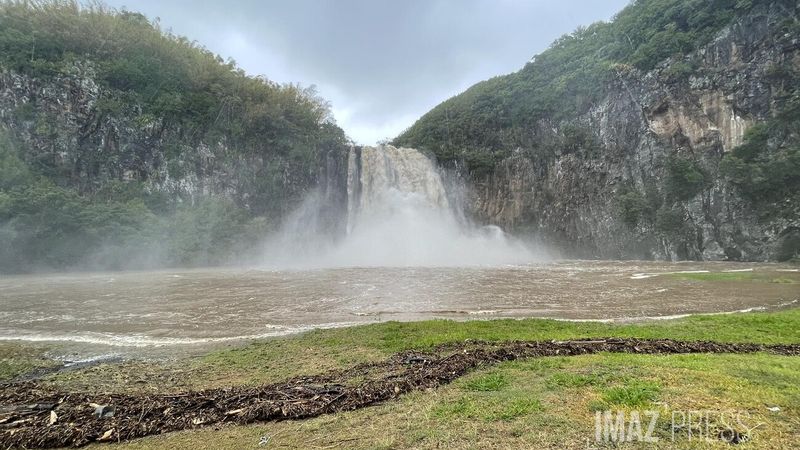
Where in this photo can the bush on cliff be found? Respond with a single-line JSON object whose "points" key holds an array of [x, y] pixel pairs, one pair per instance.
{"points": [[500, 114], [98, 206]]}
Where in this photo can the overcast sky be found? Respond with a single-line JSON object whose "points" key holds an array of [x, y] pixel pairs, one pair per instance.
{"points": [[381, 63]]}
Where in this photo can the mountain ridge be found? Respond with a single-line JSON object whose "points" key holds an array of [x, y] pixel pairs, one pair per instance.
{"points": [[694, 158], [123, 145]]}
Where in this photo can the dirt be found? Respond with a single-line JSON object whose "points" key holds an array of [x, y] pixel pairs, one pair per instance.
{"points": [[36, 416]]}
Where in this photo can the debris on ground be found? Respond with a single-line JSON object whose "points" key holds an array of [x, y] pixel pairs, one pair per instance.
{"points": [[35, 416]]}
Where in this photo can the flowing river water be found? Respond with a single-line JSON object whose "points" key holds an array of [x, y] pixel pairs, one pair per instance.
{"points": [[408, 253], [178, 310]]}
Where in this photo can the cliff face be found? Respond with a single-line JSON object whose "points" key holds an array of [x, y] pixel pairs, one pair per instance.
{"points": [[65, 126], [695, 108], [125, 146], [604, 147]]}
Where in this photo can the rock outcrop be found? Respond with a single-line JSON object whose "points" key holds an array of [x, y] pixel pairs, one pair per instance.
{"points": [[572, 199], [65, 121]]}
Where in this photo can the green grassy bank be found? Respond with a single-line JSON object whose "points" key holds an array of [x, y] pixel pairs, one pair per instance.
{"points": [[537, 403]]}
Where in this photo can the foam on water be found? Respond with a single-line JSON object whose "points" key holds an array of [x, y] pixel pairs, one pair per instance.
{"points": [[154, 312], [642, 276], [683, 316], [139, 341]]}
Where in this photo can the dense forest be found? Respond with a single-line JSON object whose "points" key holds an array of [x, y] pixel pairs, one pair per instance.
{"points": [[490, 119], [122, 144], [564, 87]]}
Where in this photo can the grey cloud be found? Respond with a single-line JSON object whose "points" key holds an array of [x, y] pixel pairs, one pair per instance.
{"points": [[381, 63]]}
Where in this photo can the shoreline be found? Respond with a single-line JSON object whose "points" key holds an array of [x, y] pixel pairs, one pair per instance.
{"points": [[303, 397], [61, 358], [168, 313], [321, 351], [98, 351]]}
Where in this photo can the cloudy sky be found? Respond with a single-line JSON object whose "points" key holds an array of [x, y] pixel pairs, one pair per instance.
{"points": [[381, 63]]}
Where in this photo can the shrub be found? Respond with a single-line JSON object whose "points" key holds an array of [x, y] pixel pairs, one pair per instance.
{"points": [[147, 77], [789, 247], [685, 178], [571, 76], [671, 221], [13, 171], [680, 70], [633, 207], [765, 172]]}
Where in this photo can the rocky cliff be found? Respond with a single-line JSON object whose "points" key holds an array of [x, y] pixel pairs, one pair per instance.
{"points": [[63, 124], [121, 143], [672, 132], [638, 172]]}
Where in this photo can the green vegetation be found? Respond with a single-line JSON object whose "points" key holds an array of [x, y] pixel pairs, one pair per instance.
{"points": [[765, 172], [685, 178], [320, 350], [789, 247], [574, 380], [538, 112], [529, 413], [91, 197], [737, 276], [486, 407], [634, 207], [634, 393], [542, 403], [640, 209], [766, 167], [386, 338], [671, 221], [18, 360], [44, 225], [486, 383], [500, 114], [170, 78]]}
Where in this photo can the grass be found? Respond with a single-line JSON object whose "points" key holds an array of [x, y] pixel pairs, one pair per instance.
{"points": [[536, 403], [320, 350], [738, 276], [487, 383], [530, 412], [634, 393], [574, 380], [17, 360]]}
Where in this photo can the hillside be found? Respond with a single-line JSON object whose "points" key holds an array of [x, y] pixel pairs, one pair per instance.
{"points": [[672, 131], [122, 145]]}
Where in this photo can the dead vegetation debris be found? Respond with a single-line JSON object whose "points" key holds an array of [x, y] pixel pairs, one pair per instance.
{"points": [[35, 416]]}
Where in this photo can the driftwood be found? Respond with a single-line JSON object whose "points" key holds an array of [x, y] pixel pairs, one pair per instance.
{"points": [[32, 416]]}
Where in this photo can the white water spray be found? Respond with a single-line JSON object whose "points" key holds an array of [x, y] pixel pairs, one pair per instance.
{"points": [[398, 215]]}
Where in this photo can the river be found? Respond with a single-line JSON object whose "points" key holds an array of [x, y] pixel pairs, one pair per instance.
{"points": [[178, 310]]}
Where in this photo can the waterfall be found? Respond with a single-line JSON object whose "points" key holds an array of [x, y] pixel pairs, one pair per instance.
{"points": [[398, 213], [380, 177]]}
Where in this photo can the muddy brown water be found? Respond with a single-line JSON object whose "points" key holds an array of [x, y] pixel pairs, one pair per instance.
{"points": [[175, 310]]}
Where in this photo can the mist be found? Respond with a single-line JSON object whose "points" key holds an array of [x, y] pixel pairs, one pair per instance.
{"points": [[400, 212]]}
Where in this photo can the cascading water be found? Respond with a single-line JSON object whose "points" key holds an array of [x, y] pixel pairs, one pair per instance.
{"points": [[381, 179], [398, 214]]}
